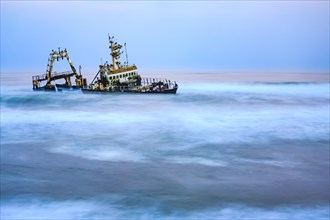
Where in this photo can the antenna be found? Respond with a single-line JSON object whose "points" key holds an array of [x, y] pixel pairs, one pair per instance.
{"points": [[126, 54], [110, 43]]}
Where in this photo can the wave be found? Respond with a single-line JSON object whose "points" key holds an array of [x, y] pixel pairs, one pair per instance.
{"points": [[209, 95], [214, 151], [127, 208], [292, 83]]}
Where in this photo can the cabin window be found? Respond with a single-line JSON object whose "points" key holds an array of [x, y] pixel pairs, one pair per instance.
{"points": [[110, 77], [121, 76]]}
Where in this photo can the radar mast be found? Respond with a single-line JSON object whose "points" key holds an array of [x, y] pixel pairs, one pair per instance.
{"points": [[114, 52]]}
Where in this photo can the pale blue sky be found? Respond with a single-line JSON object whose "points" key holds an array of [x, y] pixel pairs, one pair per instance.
{"points": [[169, 35]]}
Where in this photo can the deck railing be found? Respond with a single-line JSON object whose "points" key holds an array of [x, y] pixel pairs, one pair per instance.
{"points": [[150, 81], [40, 77], [147, 84]]}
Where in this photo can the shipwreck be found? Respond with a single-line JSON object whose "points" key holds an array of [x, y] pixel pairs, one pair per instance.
{"points": [[110, 78]]}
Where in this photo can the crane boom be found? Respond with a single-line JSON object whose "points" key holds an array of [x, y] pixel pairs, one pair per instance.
{"points": [[56, 55], [50, 76]]}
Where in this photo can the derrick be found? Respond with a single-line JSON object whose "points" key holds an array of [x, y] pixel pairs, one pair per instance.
{"points": [[51, 76]]}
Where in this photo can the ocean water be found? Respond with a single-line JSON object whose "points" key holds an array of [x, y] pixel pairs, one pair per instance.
{"points": [[215, 150]]}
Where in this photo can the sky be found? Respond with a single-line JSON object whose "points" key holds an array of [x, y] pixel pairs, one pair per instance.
{"points": [[175, 36]]}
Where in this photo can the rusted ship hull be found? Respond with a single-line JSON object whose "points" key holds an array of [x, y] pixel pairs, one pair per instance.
{"points": [[92, 91], [56, 88]]}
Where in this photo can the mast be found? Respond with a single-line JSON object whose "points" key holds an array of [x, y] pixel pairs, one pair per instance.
{"points": [[126, 55], [114, 52]]}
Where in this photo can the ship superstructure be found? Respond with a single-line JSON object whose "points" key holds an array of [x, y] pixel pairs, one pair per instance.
{"points": [[116, 77]]}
